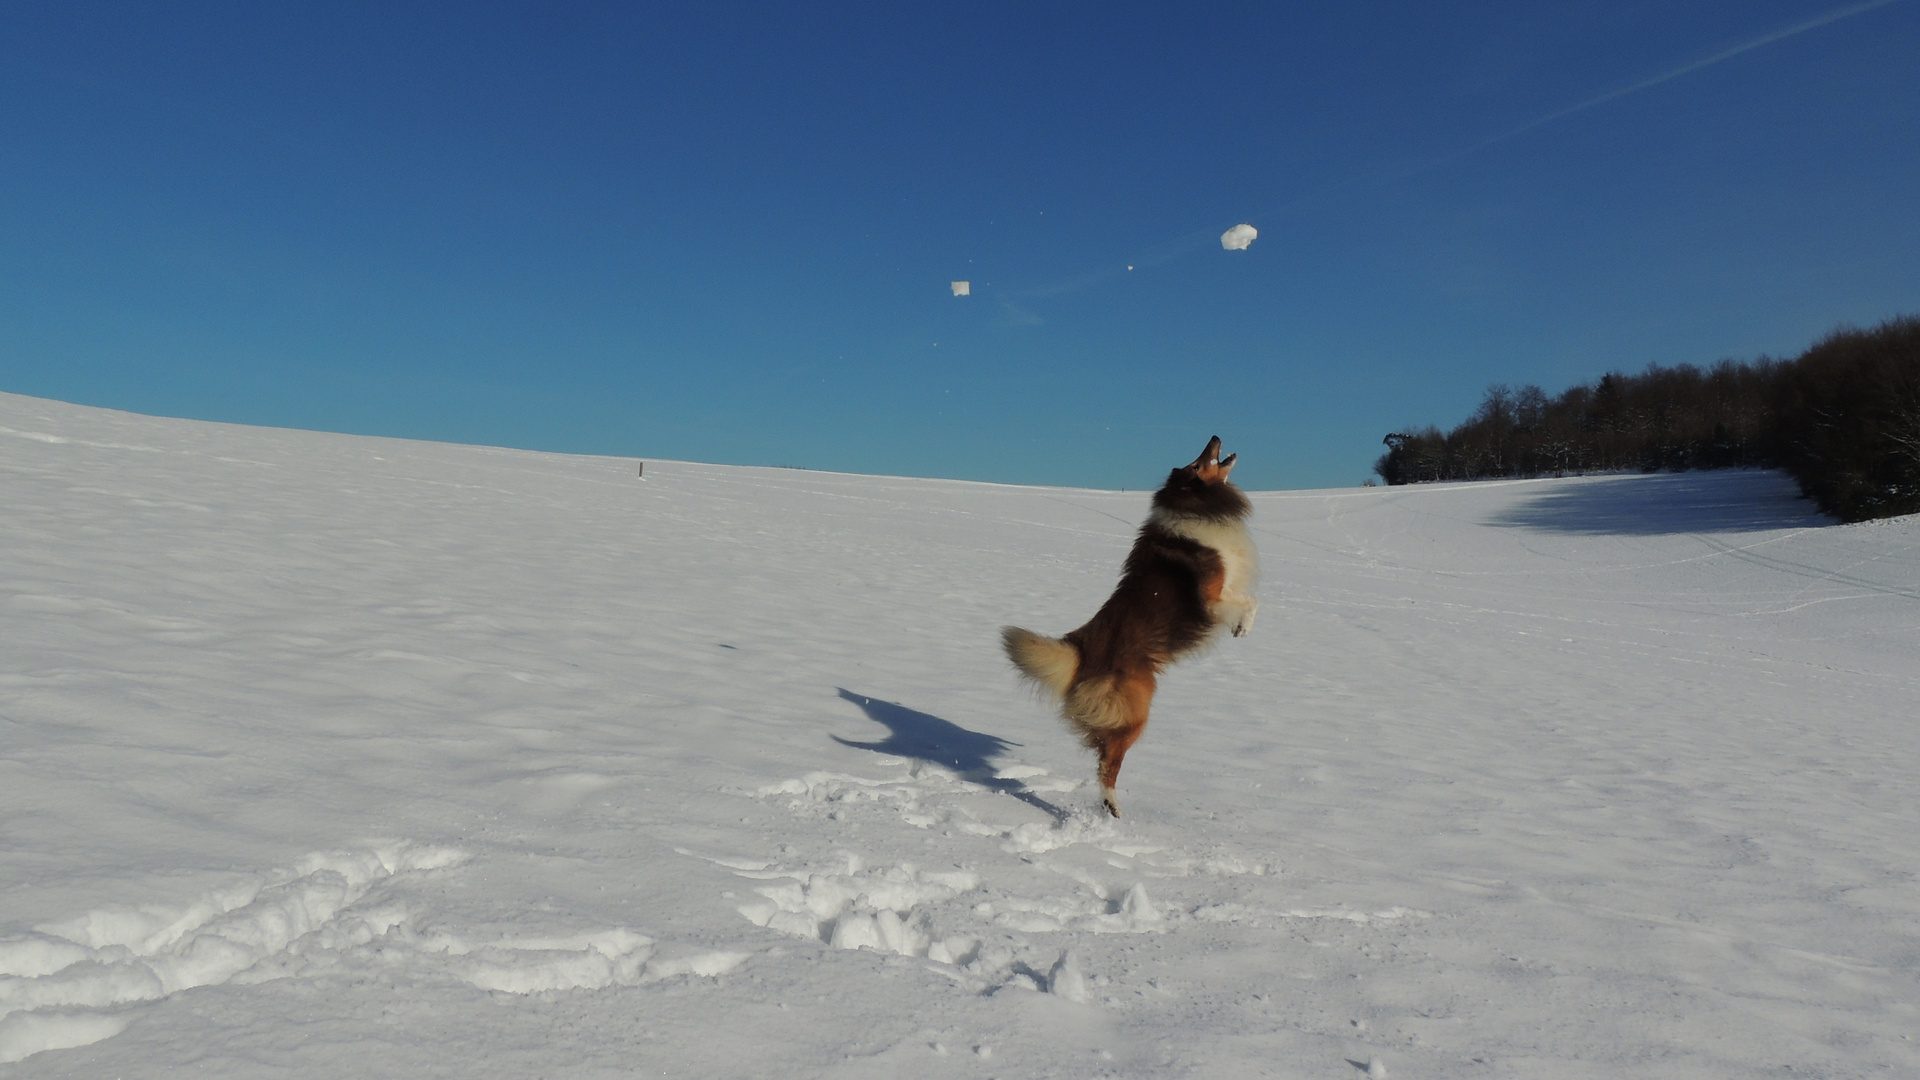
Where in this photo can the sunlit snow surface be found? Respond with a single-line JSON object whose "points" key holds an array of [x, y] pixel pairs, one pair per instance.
{"points": [[334, 756]]}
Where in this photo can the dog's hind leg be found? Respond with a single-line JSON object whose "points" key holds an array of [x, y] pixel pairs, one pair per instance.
{"points": [[1135, 697]]}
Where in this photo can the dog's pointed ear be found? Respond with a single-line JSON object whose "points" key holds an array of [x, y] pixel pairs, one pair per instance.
{"points": [[1209, 456]]}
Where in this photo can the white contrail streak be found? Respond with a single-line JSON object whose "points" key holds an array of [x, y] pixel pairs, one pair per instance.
{"points": [[1185, 244], [1686, 69]]}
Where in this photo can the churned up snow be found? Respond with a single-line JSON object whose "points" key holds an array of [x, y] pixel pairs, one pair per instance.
{"points": [[324, 755]]}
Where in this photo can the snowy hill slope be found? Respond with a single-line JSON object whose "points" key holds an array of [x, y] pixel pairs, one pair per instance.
{"points": [[327, 755]]}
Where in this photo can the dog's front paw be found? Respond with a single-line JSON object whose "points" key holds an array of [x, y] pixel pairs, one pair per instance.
{"points": [[1240, 628]]}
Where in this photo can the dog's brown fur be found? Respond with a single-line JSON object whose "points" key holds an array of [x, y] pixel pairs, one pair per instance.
{"points": [[1191, 572]]}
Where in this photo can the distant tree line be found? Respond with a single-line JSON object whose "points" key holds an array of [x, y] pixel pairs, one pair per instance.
{"points": [[1843, 419]]}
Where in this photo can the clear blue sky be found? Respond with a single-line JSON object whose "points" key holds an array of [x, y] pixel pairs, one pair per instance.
{"points": [[725, 232]]}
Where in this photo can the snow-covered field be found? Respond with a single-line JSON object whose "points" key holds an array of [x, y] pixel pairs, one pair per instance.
{"points": [[335, 756]]}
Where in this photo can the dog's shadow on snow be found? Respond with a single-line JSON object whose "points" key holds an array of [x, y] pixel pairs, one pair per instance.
{"points": [[914, 734]]}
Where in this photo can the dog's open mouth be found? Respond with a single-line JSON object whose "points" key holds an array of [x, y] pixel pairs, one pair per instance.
{"points": [[1210, 467]]}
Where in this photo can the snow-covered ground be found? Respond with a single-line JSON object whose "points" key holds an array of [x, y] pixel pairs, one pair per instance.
{"points": [[336, 756]]}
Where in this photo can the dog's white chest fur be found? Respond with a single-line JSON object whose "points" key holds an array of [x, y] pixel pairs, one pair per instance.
{"points": [[1238, 557]]}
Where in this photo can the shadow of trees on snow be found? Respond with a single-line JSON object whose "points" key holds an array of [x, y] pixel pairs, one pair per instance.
{"points": [[1723, 501]]}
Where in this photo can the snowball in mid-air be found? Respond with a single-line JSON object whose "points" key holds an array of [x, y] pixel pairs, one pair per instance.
{"points": [[1239, 238], [963, 288]]}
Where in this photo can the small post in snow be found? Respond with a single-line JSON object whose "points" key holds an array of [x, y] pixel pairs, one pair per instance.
{"points": [[643, 471]]}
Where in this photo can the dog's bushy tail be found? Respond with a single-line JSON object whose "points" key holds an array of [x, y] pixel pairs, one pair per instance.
{"points": [[1094, 707], [1050, 662]]}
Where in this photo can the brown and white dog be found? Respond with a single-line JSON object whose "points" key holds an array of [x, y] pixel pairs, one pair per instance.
{"points": [[1191, 573]]}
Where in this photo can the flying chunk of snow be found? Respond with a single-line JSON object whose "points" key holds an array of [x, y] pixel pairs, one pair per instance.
{"points": [[1239, 238], [963, 288]]}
